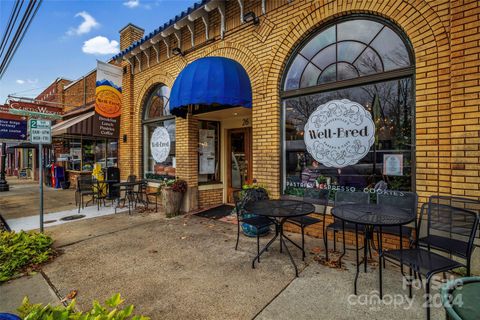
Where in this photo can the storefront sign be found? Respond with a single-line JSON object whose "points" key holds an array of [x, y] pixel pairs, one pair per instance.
{"points": [[393, 164], [160, 144], [339, 133], [13, 129], [108, 100], [40, 131]]}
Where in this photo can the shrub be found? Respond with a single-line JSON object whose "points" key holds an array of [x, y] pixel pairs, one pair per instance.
{"points": [[179, 186], [22, 250], [110, 311]]}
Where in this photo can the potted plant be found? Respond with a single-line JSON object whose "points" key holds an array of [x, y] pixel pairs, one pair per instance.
{"points": [[172, 192], [321, 182]]}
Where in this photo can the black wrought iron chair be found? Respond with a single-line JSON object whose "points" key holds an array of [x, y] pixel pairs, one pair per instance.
{"points": [[241, 198], [84, 188], [318, 197], [451, 227], [344, 197], [403, 200]]}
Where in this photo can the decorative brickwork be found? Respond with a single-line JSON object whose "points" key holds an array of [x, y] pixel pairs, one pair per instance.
{"points": [[444, 35]]}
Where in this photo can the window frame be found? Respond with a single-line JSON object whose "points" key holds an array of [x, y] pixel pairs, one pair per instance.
{"points": [[150, 121], [406, 72]]}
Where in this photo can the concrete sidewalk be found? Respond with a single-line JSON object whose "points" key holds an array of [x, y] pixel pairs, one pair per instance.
{"points": [[187, 268]]}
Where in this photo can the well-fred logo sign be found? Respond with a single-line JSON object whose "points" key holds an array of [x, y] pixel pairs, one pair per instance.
{"points": [[160, 144], [339, 133]]}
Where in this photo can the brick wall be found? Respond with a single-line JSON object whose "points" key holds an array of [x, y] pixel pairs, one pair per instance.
{"points": [[209, 198], [81, 92], [445, 39]]}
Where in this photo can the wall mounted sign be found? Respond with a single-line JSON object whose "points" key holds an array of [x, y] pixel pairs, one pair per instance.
{"points": [[393, 164], [160, 144], [108, 100], [339, 133]]}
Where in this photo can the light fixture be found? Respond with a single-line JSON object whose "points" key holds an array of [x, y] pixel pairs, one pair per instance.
{"points": [[177, 51], [124, 138], [251, 16]]}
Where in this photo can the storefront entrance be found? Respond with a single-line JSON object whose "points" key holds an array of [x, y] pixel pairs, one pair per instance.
{"points": [[239, 159]]}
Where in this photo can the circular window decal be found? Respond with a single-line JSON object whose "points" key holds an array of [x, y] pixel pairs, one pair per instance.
{"points": [[160, 144], [339, 133]]}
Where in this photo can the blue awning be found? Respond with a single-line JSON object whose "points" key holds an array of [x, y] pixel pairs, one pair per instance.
{"points": [[210, 83]]}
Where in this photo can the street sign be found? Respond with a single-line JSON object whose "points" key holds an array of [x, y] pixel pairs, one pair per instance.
{"points": [[13, 129], [40, 131]]}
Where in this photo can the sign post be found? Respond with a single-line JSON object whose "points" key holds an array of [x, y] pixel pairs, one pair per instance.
{"points": [[40, 133]]}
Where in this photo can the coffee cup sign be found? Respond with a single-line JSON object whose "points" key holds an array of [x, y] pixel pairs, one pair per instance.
{"points": [[339, 133], [160, 144]]}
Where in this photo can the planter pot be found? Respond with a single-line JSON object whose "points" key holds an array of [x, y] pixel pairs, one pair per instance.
{"points": [[171, 201], [251, 231]]}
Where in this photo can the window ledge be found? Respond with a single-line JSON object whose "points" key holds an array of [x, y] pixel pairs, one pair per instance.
{"points": [[210, 186]]}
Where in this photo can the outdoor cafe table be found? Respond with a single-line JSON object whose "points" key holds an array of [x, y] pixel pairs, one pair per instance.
{"points": [[129, 193], [371, 217], [279, 211]]}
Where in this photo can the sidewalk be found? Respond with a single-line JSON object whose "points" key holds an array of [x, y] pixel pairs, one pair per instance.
{"points": [[187, 268], [23, 199]]}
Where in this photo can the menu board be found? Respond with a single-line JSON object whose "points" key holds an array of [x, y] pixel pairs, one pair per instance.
{"points": [[206, 151]]}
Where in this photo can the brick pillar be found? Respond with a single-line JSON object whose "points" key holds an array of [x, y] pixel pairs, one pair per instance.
{"points": [[187, 159], [465, 94], [129, 34]]}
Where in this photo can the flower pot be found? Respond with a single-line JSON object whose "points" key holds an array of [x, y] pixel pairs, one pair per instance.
{"points": [[171, 201], [251, 231]]}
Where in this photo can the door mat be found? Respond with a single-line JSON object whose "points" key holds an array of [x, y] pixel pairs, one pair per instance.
{"points": [[217, 212]]}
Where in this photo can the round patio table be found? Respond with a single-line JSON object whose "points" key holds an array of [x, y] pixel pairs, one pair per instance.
{"points": [[371, 217], [460, 298], [279, 211], [130, 193]]}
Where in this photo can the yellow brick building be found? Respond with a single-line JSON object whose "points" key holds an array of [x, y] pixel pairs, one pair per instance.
{"points": [[440, 93]]}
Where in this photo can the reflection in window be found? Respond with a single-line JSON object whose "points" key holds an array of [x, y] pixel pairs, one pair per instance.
{"points": [[347, 50]]}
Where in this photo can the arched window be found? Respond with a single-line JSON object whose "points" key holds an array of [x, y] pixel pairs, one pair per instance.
{"points": [[158, 135], [368, 61]]}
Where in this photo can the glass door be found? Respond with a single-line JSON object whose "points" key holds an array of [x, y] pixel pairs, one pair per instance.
{"points": [[238, 160]]}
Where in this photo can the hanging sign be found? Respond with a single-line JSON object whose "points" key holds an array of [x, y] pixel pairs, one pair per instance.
{"points": [[40, 131], [160, 144], [339, 133], [108, 100]]}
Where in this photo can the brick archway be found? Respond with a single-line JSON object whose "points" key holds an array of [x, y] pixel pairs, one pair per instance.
{"points": [[430, 42]]}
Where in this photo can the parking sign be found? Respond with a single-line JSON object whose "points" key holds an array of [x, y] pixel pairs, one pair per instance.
{"points": [[40, 131]]}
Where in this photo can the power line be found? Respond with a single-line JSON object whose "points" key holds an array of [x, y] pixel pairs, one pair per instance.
{"points": [[23, 27], [11, 23]]}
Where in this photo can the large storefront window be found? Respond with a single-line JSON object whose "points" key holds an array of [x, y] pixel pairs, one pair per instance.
{"points": [[80, 154], [368, 63], [158, 135]]}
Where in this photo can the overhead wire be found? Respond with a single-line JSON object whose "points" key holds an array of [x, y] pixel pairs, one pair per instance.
{"points": [[11, 23], [23, 27]]}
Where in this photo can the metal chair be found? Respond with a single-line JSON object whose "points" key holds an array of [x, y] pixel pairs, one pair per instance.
{"points": [[258, 222], [344, 197], [84, 188], [318, 197], [129, 191], [404, 200], [451, 227]]}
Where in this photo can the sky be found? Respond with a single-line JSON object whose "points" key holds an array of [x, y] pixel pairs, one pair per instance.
{"points": [[66, 38]]}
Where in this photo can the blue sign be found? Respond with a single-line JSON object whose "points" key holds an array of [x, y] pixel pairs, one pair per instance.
{"points": [[13, 129]]}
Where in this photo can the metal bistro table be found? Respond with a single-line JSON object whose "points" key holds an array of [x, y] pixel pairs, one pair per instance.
{"points": [[130, 194], [372, 217], [279, 211]]}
